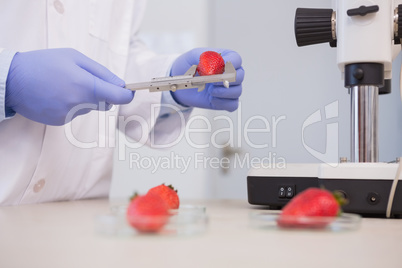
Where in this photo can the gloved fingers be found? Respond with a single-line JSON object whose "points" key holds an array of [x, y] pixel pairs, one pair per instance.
{"points": [[239, 78], [232, 56], [104, 106], [110, 93], [193, 56], [101, 106], [229, 105], [99, 70], [233, 92], [81, 112]]}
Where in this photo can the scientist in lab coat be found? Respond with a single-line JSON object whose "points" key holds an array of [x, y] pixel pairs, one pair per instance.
{"points": [[63, 67]]}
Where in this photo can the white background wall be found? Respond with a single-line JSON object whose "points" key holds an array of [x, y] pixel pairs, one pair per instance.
{"points": [[281, 80]]}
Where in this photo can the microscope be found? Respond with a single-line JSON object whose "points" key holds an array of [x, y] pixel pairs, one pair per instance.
{"points": [[367, 35]]}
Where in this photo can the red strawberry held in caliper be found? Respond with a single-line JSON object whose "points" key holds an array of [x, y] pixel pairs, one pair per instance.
{"points": [[210, 63]]}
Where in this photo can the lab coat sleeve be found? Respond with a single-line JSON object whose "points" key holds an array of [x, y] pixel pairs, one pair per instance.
{"points": [[6, 56], [151, 118]]}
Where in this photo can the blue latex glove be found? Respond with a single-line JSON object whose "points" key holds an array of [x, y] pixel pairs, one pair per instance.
{"points": [[215, 96], [44, 85]]}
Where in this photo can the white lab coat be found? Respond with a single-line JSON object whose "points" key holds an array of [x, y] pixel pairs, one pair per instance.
{"points": [[40, 163]]}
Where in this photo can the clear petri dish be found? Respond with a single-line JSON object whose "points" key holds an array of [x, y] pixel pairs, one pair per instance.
{"points": [[270, 220], [187, 220], [121, 209], [111, 224], [189, 209]]}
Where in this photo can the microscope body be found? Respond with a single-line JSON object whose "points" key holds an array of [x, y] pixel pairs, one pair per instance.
{"points": [[366, 31], [366, 38], [367, 35]]}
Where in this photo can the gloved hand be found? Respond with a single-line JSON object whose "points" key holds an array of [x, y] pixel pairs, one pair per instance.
{"points": [[215, 96], [44, 85]]}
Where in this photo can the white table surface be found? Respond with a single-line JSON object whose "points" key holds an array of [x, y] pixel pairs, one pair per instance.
{"points": [[63, 235]]}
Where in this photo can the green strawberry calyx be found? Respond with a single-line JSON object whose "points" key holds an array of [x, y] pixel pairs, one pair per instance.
{"points": [[341, 199], [171, 187], [134, 196]]}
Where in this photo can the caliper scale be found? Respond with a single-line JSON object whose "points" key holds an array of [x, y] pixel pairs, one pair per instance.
{"points": [[186, 81]]}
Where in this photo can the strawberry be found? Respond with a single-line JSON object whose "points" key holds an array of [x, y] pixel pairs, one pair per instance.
{"points": [[211, 62], [168, 193], [147, 213], [304, 207]]}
